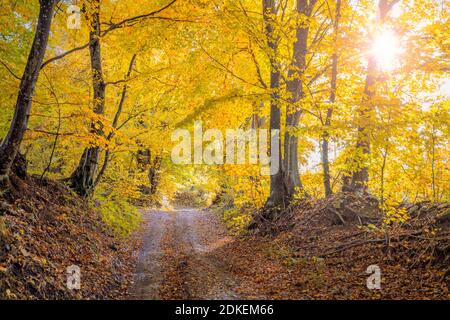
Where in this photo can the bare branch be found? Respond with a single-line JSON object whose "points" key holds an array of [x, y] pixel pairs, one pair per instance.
{"points": [[10, 71]]}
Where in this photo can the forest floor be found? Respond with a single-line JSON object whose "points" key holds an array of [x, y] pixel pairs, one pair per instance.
{"points": [[187, 254], [45, 229]]}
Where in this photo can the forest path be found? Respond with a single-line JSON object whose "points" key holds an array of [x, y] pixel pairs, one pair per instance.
{"points": [[175, 260]]}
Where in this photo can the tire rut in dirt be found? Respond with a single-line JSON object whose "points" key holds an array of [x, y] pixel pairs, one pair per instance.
{"points": [[191, 271], [148, 274]]}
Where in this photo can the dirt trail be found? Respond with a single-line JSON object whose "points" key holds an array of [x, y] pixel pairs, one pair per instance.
{"points": [[175, 261], [148, 270]]}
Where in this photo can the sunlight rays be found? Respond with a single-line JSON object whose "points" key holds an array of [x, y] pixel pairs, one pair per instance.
{"points": [[386, 49]]}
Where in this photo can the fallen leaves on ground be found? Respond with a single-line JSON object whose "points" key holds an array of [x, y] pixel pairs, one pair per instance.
{"points": [[48, 229]]}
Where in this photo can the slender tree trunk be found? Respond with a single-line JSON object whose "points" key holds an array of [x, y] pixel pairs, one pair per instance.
{"points": [[433, 161], [383, 170], [82, 179], [326, 161], [52, 153], [154, 174], [277, 191], [294, 86], [360, 177], [115, 121], [10, 145], [145, 162], [326, 135]]}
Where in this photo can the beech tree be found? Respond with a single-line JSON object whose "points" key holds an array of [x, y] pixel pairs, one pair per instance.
{"points": [[277, 190], [11, 143], [294, 87], [333, 86], [360, 177], [83, 178]]}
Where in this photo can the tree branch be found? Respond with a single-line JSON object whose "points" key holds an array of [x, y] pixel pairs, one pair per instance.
{"points": [[113, 26], [10, 71]]}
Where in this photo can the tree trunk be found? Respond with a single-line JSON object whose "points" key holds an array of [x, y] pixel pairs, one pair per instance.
{"points": [[360, 177], [326, 135], [154, 174], [291, 174], [82, 179], [115, 122], [326, 164], [294, 86], [10, 145], [433, 161], [145, 162], [383, 170], [277, 192]]}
